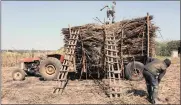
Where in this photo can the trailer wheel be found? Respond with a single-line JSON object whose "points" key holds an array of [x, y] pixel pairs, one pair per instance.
{"points": [[18, 75], [134, 71], [49, 68]]}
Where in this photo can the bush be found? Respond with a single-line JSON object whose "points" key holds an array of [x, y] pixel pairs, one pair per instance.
{"points": [[173, 45], [165, 48]]}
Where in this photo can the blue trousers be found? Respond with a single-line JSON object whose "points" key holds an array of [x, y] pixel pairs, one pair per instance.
{"points": [[152, 85]]}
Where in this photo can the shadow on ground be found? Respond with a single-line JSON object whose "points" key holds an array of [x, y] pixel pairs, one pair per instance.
{"points": [[136, 92]]}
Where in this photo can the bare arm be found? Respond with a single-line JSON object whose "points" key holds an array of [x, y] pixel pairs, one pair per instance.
{"points": [[161, 75]]}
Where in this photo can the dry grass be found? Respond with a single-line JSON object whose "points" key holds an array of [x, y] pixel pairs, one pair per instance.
{"points": [[10, 59]]}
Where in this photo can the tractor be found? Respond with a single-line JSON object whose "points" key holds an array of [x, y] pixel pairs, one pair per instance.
{"points": [[46, 67]]}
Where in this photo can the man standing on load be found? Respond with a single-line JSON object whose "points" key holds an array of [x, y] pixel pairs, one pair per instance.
{"points": [[153, 73], [110, 11]]}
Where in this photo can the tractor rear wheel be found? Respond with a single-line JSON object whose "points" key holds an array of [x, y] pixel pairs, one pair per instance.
{"points": [[18, 75], [134, 71], [49, 68]]}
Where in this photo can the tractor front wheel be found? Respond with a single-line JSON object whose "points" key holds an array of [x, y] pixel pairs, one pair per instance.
{"points": [[18, 75]]}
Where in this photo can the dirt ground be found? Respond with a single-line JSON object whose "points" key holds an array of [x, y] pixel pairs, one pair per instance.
{"points": [[34, 91]]}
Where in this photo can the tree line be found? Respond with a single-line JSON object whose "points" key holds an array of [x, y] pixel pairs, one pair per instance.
{"points": [[165, 48]]}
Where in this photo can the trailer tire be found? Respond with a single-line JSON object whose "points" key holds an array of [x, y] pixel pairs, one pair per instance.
{"points": [[18, 75], [134, 74], [49, 68]]}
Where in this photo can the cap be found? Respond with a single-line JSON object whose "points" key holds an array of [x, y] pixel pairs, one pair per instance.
{"points": [[167, 62]]}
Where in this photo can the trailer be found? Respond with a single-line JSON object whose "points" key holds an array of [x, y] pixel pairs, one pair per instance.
{"points": [[114, 51]]}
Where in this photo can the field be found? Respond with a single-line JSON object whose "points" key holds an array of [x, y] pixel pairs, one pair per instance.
{"points": [[34, 91], [11, 59]]}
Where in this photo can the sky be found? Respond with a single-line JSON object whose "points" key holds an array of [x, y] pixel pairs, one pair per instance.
{"points": [[37, 24]]}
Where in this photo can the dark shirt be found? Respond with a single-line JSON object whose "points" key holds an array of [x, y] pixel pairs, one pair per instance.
{"points": [[156, 67]]}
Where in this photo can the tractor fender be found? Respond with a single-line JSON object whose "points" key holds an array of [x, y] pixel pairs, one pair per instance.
{"points": [[30, 59]]}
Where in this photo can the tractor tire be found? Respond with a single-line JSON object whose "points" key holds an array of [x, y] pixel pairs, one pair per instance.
{"points": [[18, 75], [134, 74], [49, 68]]}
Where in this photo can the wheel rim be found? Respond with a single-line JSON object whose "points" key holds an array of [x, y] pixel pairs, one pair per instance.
{"points": [[136, 73], [17, 75], [50, 69]]}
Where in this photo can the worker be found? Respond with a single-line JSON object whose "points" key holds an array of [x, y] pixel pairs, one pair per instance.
{"points": [[110, 11], [153, 73]]}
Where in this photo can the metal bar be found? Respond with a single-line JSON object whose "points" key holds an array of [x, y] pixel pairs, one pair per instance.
{"points": [[142, 43], [96, 20], [148, 35], [99, 20], [122, 32]]}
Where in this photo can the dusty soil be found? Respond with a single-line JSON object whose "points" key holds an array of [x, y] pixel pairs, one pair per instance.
{"points": [[34, 91]]}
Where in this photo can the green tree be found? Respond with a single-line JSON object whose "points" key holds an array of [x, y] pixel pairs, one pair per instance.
{"points": [[165, 48], [173, 45]]}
